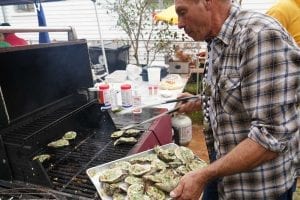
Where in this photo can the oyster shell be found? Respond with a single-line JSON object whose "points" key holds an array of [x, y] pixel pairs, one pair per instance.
{"points": [[122, 165], [196, 164], [159, 164], [135, 191], [70, 135], [139, 170], [122, 140], [184, 154], [155, 193], [142, 160], [167, 184], [166, 155], [118, 196], [117, 134], [125, 133], [59, 143], [41, 158], [113, 175], [182, 170], [133, 180]]}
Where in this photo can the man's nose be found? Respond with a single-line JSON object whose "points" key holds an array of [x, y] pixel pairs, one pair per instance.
{"points": [[180, 24]]}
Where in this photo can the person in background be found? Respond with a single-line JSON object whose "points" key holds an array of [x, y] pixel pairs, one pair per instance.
{"points": [[2, 41], [13, 39], [287, 12], [251, 79]]}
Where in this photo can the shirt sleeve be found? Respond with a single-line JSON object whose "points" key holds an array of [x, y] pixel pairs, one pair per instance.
{"points": [[270, 71]]}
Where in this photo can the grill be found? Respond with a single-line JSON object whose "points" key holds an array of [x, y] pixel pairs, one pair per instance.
{"points": [[30, 121]]}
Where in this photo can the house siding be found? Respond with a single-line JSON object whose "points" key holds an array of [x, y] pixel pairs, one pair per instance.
{"points": [[81, 15]]}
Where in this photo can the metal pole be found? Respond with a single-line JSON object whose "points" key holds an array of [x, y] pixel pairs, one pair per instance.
{"points": [[101, 39], [4, 13]]}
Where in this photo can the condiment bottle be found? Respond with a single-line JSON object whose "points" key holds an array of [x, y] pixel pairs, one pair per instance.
{"points": [[126, 95], [104, 95]]}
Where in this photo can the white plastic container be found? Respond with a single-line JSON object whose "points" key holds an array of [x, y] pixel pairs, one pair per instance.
{"points": [[183, 125], [154, 75]]}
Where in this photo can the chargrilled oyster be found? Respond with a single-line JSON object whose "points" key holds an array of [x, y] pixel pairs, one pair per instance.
{"points": [[59, 143], [41, 158], [70, 135], [166, 155], [110, 189], [155, 193], [182, 170], [119, 196], [122, 140], [122, 165], [135, 191], [133, 180], [139, 170], [113, 175], [144, 159], [117, 134], [184, 154], [196, 164], [168, 184], [125, 133], [158, 164]]}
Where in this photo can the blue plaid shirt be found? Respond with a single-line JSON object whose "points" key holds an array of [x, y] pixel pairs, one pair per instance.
{"points": [[255, 73]]}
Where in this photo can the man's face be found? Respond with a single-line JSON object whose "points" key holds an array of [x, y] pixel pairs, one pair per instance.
{"points": [[194, 18]]}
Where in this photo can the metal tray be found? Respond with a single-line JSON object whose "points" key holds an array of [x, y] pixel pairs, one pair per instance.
{"points": [[94, 172]]}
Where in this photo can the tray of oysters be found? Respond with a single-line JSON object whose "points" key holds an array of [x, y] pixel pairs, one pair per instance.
{"points": [[151, 174]]}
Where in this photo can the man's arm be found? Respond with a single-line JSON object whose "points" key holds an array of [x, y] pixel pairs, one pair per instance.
{"points": [[244, 157]]}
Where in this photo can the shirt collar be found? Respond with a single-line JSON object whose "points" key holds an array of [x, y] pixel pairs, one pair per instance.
{"points": [[227, 30]]}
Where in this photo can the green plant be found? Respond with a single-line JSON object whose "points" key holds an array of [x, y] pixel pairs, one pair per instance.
{"points": [[135, 18]]}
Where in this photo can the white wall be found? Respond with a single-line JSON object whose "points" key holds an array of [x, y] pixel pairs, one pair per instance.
{"points": [[81, 15]]}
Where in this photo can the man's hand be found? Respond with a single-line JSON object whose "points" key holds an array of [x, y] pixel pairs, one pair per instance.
{"points": [[190, 186], [189, 106]]}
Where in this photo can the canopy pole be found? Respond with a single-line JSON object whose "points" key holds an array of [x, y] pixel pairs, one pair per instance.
{"points": [[101, 39]]}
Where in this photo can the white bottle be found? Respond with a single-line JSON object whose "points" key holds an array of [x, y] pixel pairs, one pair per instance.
{"points": [[183, 125]]}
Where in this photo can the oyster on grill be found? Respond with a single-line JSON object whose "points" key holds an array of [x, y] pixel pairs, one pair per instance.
{"points": [[70, 135], [155, 193], [196, 164], [59, 143], [125, 133], [110, 189], [122, 140], [184, 154], [41, 158], [133, 180], [139, 170], [175, 163], [113, 175]]}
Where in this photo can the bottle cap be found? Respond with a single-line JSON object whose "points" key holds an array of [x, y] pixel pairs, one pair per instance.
{"points": [[125, 86]]}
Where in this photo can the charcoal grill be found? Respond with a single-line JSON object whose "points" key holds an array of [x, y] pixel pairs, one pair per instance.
{"points": [[43, 94]]}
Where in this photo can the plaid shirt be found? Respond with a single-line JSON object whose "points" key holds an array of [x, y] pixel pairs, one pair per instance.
{"points": [[255, 70]]}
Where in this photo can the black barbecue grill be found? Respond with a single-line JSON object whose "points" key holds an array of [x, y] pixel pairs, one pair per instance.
{"points": [[38, 105]]}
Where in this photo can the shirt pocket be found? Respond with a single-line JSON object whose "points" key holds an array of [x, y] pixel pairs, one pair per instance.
{"points": [[229, 87]]}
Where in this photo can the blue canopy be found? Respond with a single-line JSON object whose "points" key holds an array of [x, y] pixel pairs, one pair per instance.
{"points": [[16, 2]]}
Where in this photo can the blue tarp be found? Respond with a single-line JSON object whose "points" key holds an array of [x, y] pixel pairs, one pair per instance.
{"points": [[16, 2]]}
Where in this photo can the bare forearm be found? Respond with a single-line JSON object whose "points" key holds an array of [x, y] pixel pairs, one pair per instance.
{"points": [[244, 157]]}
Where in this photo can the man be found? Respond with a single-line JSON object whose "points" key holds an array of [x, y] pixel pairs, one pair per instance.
{"points": [[287, 12], [251, 82]]}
